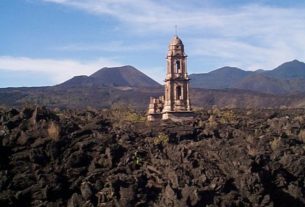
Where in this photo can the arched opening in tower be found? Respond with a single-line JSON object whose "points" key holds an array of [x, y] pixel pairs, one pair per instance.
{"points": [[178, 66], [179, 93]]}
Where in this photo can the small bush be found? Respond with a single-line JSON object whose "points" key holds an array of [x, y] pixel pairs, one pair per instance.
{"points": [[53, 131], [161, 139], [227, 117], [212, 121], [215, 110], [137, 160], [302, 135], [135, 117], [126, 115], [276, 143]]}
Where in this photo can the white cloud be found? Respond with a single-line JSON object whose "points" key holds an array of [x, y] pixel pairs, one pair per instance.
{"points": [[145, 15], [58, 70], [150, 14], [116, 46], [61, 70], [243, 55], [250, 36]]}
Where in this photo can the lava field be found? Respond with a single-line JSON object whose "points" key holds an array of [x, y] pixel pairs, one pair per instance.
{"points": [[224, 157]]}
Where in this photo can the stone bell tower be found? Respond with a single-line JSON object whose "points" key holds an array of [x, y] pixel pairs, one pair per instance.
{"points": [[177, 100], [175, 105]]}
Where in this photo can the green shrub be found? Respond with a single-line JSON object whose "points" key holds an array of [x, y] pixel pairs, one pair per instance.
{"points": [[227, 117], [161, 139], [126, 115], [137, 160]]}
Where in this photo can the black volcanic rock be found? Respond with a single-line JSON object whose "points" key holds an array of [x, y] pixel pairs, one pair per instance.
{"points": [[221, 158], [127, 76]]}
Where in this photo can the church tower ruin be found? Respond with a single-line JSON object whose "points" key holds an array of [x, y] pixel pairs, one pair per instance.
{"points": [[175, 105]]}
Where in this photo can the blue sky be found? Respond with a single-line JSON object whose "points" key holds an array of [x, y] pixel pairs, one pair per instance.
{"points": [[45, 42]]}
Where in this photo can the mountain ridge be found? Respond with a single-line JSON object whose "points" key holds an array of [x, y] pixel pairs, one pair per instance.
{"points": [[112, 76], [246, 89], [288, 70], [287, 78], [228, 76]]}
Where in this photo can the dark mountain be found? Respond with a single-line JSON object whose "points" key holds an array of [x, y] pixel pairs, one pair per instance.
{"points": [[77, 81], [235, 88], [116, 76], [261, 83], [259, 71], [288, 78], [218, 79], [266, 84], [124, 76], [290, 70]]}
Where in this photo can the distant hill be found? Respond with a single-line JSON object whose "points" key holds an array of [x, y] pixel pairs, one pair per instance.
{"points": [[115, 76], [218, 79], [266, 84], [290, 70], [78, 81], [126, 86], [288, 78], [260, 82]]}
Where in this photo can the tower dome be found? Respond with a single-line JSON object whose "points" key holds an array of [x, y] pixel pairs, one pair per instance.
{"points": [[176, 41], [175, 47]]}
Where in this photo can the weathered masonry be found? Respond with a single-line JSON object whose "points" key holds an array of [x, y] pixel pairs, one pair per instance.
{"points": [[175, 105]]}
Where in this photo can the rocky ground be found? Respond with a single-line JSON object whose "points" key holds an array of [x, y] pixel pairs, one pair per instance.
{"points": [[113, 158]]}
